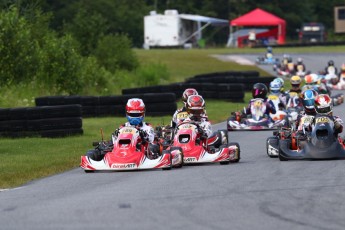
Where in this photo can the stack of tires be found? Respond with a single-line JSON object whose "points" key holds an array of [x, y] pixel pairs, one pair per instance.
{"points": [[44, 121], [157, 104], [247, 78], [229, 85]]}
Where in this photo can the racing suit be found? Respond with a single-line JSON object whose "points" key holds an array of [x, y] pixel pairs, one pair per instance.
{"points": [[210, 140], [341, 82], [305, 120], [268, 103], [179, 116], [146, 129], [299, 68]]}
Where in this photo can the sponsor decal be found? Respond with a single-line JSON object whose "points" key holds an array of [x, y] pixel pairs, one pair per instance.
{"points": [[123, 166], [189, 159]]}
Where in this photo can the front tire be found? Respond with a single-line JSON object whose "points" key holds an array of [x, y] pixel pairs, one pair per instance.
{"points": [[168, 152], [239, 152], [180, 149]]}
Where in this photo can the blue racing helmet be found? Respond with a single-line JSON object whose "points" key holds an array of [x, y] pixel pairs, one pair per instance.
{"points": [[275, 87], [308, 100]]}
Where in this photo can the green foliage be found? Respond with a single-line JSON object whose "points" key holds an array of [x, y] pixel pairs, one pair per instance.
{"points": [[87, 29], [114, 52], [152, 74], [18, 48]]}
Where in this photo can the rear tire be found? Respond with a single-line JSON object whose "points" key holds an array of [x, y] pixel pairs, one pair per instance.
{"points": [[89, 171], [281, 157]]}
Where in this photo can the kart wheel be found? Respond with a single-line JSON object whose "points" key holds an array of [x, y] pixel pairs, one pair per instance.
{"points": [[224, 162], [180, 149], [281, 157], [168, 152], [94, 155], [239, 152], [270, 141], [89, 171], [224, 136]]}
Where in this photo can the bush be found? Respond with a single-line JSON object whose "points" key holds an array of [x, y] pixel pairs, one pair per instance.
{"points": [[114, 52]]}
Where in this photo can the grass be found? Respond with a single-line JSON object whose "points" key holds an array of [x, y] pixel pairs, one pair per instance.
{"points": [[26, 159]]}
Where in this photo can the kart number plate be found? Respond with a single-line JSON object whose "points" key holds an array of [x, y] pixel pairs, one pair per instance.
{"points": [[182, 115], [273, 97], [322, 120], [128, 130]]}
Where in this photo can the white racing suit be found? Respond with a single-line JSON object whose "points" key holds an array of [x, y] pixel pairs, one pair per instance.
{"points": [[149, 134]]}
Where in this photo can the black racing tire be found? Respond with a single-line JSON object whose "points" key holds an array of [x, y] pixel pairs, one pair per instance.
{"points": [[239, 151], [167, 152], [181, 150], [94, 155], [224, 136], [280, 156], [89, 171], [267, 140]]}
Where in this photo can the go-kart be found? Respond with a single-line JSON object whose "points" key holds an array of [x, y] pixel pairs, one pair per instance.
{"points": [[319, 144], [257, 120], [285, 70], [128, 152], [197, 149], [267, 60]]}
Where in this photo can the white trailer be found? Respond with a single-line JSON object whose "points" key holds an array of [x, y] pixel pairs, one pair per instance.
{"points": [[175, 30]]}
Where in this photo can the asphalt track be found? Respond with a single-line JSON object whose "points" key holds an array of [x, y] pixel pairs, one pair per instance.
{"points": [[257, 193]]}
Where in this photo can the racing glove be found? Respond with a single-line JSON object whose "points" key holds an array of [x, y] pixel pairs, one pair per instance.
{"points": [[144, 136]]}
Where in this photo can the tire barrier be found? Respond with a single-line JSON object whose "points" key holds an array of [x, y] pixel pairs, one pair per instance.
{"points": [[246, 81], [44, 121], [207, 89], [228, 85], [158, 103]]}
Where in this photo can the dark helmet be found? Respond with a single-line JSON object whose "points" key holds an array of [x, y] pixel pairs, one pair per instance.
{"points": [[330, 63], [259, 90]]}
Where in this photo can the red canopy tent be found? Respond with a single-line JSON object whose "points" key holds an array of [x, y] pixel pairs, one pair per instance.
{"points": [[259, 17]]}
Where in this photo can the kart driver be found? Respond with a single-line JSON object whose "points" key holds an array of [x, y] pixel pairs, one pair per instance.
{"points": [[305, 118], [299, 66], [181, 113], [195, 108], [330, 68], [324, 106], [260, 91], [135, 113]]}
